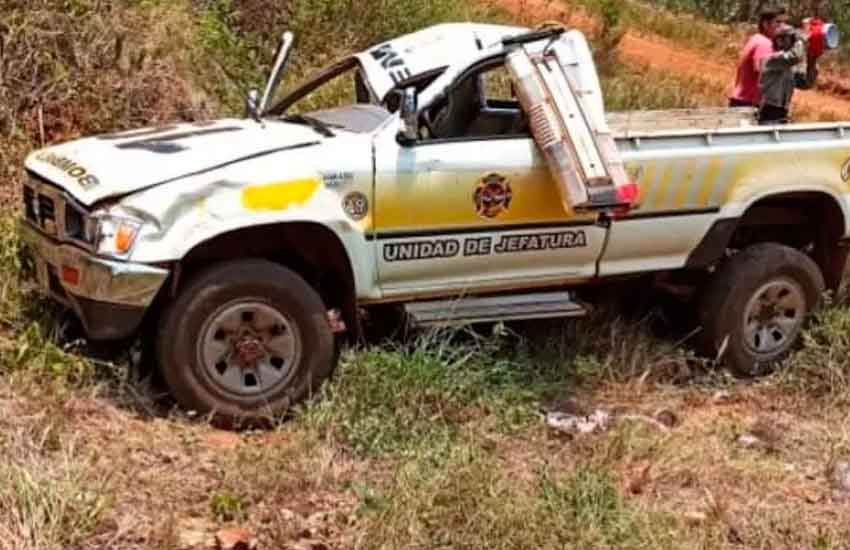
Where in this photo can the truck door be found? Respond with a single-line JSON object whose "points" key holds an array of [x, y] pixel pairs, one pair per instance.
{"points": [[472, 204]]}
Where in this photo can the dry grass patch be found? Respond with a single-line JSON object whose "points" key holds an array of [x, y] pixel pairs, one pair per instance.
{"points": [[774, 495], [72, 69], [50, 494], [482, 478]]}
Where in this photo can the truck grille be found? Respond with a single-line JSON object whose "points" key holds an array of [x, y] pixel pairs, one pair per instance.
{"points": [[46, 209], [53, 213]]}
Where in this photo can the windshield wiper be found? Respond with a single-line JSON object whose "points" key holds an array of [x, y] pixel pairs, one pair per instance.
{"points": [[313, 123]]}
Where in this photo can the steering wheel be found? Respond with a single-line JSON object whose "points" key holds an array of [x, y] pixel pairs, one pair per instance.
{"points": [[440, 105], [428, 122]]}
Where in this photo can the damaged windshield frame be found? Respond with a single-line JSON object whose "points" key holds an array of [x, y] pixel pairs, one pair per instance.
{"points": [[323, 77]]}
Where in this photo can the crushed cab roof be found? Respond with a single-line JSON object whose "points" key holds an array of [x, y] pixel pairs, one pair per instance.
{"points": [[430, 49]]}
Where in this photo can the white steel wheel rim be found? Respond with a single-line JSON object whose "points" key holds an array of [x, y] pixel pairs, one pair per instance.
{"points": [[249, 349], [773, 317]]}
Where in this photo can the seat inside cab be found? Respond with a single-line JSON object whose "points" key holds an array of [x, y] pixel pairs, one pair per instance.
{"points": [[480, 104]]}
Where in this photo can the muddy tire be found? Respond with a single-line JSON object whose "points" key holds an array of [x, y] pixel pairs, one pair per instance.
{"points": [[756, 305], [245, 340]]}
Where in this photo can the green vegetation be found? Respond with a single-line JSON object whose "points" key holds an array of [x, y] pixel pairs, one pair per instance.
{"points": [[645, 17], [469, 502], [746, 11], [242, 35], [34, 331], [630, 88], [49, 502], [401, 401], [821, 367], [226, 507], [418, 398]]}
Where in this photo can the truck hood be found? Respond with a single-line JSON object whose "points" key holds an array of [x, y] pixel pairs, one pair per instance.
{"points": [[110, 165]]}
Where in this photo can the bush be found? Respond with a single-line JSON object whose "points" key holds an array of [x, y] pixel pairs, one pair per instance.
{"points": [[727, 11], [244, 34], [822, 367], [68, 69]]}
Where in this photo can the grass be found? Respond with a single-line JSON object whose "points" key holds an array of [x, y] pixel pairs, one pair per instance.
{"points": [[437, 442], [49, 508], [226, 507], [629, 88], [53, 493], [646, 17], [821, 368], [469, 502], [718, 27], [242, 34], [731, 11], [403, 401]]}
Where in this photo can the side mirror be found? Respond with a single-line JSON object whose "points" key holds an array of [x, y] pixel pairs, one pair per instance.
{"points": [[252, 104], [409, 115]]}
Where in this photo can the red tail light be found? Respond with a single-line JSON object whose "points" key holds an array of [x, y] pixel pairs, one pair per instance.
{"points": [[628, 194], [628, 197], [70, 275]]}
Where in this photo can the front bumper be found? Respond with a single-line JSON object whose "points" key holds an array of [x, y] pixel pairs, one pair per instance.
{"points": [[109, 297]]}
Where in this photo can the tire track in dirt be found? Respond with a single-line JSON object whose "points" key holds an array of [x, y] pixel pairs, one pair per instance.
{"points": [[663, 55]]}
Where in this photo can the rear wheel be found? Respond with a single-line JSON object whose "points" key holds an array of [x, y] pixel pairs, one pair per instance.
{"points": [[245, 340], [756, 305]]}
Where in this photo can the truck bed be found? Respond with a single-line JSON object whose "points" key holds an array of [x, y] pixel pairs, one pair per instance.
{"points": [[624, 123], [669, 131]]}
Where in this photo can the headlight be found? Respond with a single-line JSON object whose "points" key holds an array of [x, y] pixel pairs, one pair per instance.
{"points": [[115, 236]]}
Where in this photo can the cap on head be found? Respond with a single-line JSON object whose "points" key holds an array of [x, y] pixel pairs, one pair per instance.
{"points": [[784, 29]]}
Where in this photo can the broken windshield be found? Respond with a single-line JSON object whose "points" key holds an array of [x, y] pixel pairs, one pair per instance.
{"points": [[339, 85]]}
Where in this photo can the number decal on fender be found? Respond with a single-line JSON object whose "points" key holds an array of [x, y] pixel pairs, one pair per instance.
{"points": [[355, 205]]}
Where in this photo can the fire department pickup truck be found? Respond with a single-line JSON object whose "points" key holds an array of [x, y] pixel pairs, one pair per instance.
{"points": [[239, 248]]}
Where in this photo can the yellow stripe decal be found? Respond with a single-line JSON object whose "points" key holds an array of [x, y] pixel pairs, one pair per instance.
{"points": [[710, 182], [650, 180], [279, 195], [722, 184], [660, 188], [667, 195], [696, 184]]}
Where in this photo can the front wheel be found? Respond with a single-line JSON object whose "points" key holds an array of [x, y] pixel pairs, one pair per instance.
{"points": [[244, 340], [756, 305]]}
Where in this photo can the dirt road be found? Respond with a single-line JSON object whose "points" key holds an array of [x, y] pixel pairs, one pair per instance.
{"points": [[660, 54]]}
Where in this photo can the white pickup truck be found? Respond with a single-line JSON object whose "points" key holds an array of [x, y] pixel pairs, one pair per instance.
{"points": [[240, 249]]}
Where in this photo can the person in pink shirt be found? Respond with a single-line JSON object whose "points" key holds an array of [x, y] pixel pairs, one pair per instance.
{"points": [[759, 47]]}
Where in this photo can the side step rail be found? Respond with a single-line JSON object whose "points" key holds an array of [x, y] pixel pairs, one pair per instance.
{"points": [[512, 307]]}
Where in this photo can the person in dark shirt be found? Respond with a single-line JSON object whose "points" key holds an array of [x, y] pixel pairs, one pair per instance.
{"points": [[786, 69]]}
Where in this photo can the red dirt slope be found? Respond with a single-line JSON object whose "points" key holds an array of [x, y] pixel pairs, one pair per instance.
{"points": [[662, 55]]}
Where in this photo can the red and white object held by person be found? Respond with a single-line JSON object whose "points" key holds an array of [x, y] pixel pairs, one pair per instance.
{"points": [[822, 36]]}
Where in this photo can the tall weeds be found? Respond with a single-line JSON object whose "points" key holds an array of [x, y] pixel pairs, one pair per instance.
{"points": [[242, 35]]}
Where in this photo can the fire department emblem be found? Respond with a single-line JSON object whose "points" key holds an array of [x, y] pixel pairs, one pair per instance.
{"points": [[492, 196], [355, 205]]}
